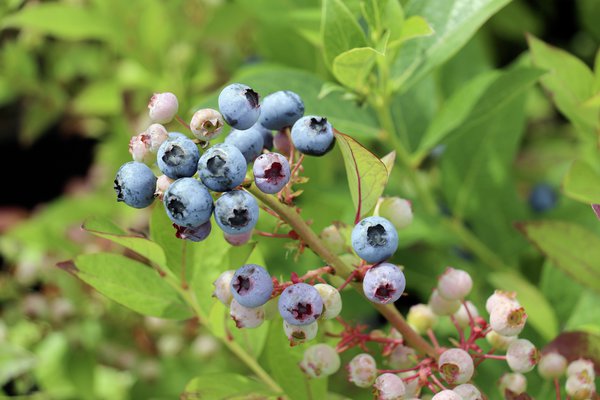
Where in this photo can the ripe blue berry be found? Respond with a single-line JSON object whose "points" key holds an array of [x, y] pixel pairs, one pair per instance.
{"points": [[135, 184], [196, 234], [542, 198], [271, 172], [281, 109], [313, 135], [188, 203], [178, 157], [374, 239], [267, 139], [239, 105], [236, 212], [251, 285], [250, 141], [300, 304], [222, 167], [384, 283]]}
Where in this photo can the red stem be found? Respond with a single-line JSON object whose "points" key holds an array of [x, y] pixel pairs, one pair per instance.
{"points": [[557, 388], [182, 122]]}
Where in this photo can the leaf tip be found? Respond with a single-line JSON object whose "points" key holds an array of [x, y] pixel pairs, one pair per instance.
{"points": [[68, 266]]}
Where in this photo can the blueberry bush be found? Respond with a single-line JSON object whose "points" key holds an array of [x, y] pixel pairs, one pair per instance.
{"points": [[322, 199]]}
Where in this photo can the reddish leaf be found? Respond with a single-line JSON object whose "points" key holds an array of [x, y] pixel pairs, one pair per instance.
{"points": [[596, 208], [574, 345]]}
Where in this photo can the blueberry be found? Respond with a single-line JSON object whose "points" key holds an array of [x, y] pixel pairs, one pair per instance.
{"points": [[313, 135], [250, 141], [251, 285], [135, 184], [271, 172], [222, 167], [300, 304], [196, 234], [239, 105], [384, 283], [542, 198], [374, 239], [281, 109], [267, 139], [188, 203], [236, 212], [178, 156]]}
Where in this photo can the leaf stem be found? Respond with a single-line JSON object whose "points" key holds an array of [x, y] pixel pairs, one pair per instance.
{"points": [[290, 215]]}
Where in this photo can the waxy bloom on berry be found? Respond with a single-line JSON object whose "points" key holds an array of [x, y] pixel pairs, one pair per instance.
{"points": [[515, 382], [522, 356], [362, 370], [454, 284], [246, 317], [320, 360], [552, 365], [456, 366], [389, 387]]}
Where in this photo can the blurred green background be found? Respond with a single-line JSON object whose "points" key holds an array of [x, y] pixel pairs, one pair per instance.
{"points": [[75, 78]]}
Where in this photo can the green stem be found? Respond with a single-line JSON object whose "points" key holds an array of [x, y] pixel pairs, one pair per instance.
{"points": [[343, 270]]}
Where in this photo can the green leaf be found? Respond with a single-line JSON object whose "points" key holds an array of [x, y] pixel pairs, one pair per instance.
{"points": [[383, 16], [14, 361], [582, 183], [63, 21], [352, 67], [339, 29], [223, 385], [569, 80], [454, 22], [144, 247], [163, 233], [130, 283], [414, 27], [367, 175], [480, 99], [540, 313], [561, 291], [585, 315], [573, 249], [388, 160]]}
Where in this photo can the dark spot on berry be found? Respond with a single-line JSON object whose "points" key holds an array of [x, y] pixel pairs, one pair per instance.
{"points": [[299, 335], [176, 206], [252, 98], [318, 124], [242, 285], [385, 291], [302, 311], [215, 165], [240, 217], [273, 173], [118, 190], [174, 156], [376, 236], [210, 127]]}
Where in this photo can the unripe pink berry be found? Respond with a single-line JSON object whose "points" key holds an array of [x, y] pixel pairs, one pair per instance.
{"points": [[499, 341], [508, 319], [468, 392], [139, 148], [440, 306], [389, 387], [396, 210], [162, 184], [552, 365], [163, 107], [582, 368], [299, 334], [282, 143], [320, 360], [462, 316], [579, 389], [362, 370], [238, 239], [332, 301], [515, 382], [501, 297], [245, 317], [446, 395], [207, 124], [522, 356], [454, 284], [456, 366], [402, 357], [223, 287], [333, 239], [421, 318], [156, 135]]}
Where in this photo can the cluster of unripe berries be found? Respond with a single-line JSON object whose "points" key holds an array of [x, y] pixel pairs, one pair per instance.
{"points": [[191, 180]]}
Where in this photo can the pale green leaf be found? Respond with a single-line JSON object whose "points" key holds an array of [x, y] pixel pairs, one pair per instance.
{"points": [[223, 386], [340, 30], [414, 27], [582, 183], [99, 98], [388, 160], [352, 67]]}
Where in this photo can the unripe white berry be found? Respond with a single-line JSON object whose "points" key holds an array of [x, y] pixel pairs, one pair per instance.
{"points": [[522, 356], [223, 287], [421, 318], [169, 345], [245, 317], [515, 382], [456, 366], [402, 357], [440, 306], [156, 134], [499, 341], [206, 124], [362, 370], [579, 389], [320, 360], [333, 239], [205, 346], [501, 297], [389, 387], [446, 395], [468, 392], [239, 239], [582, 368], [454, 284], [412, 386], [139, 148], [162, 184], [462, 316], [396, 210], [508, 320], [297, 334], [332, 301], [163, 107], [552, 365]]}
